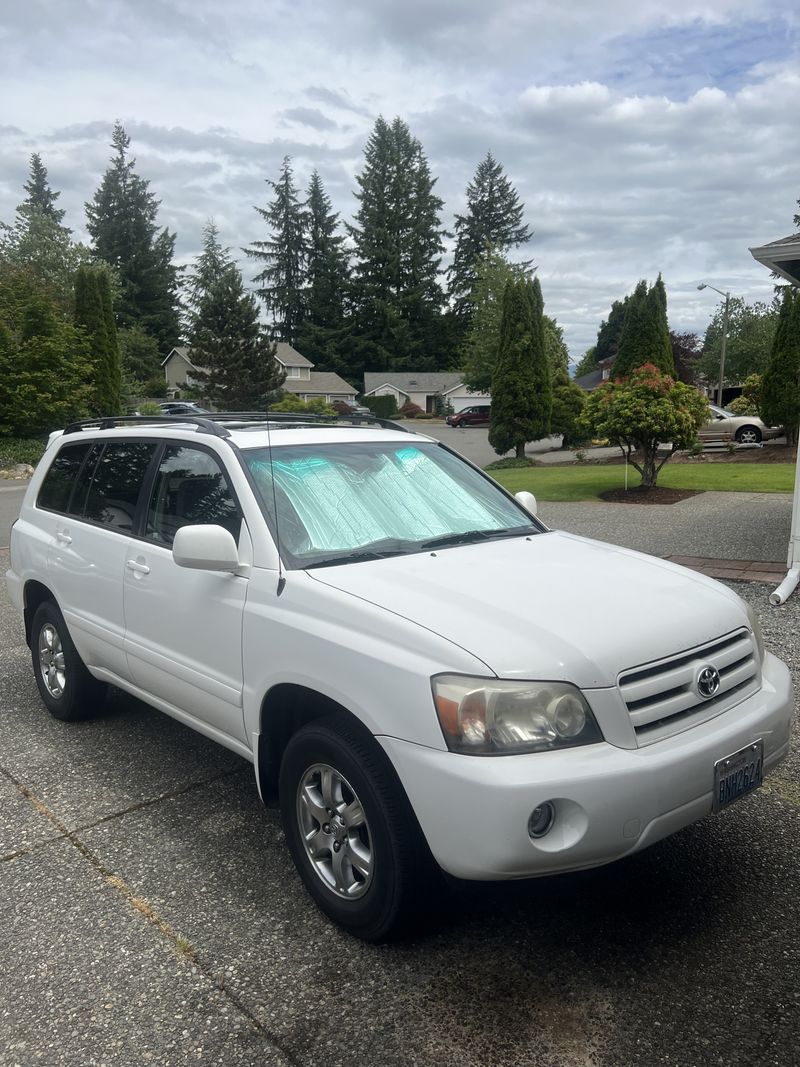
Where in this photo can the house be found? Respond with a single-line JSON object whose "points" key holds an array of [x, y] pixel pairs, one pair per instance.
{"points": [[422, 389], [301, 379], [781, 256], [594, 378]]}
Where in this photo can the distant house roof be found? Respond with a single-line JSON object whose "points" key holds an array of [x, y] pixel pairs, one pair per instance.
{"points": [[289, 356], [594, 378], [323, 382], [781, 256], [408, 382], [182, 353]]}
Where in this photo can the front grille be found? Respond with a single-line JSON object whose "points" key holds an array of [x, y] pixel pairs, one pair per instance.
{"points": [[662, 698]]}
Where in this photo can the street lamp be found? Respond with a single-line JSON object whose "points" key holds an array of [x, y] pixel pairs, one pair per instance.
{"points": [[705, 285]]}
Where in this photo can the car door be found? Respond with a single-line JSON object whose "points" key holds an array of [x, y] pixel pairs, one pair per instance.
{"points": [[183, 628], [86, 558], [718, 428]]}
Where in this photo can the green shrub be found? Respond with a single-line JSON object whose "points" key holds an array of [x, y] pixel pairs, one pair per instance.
{"points": [[149, 407], [384, 407], [510, 463], [425, 415], [21, 450]]}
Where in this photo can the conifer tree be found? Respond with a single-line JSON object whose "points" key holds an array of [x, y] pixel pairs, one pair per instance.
{"points": [[645, 332], [40, 197], [92, 313], [479, 351], [208, 268], [121, 219], [494, 219], [540, 364], [397, 236], [234, 355], [513, 419], [610, 331], [322, 331], [780, 385], [283, 279]]}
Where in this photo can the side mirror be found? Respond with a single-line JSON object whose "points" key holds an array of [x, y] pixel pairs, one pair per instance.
{"points": [[205, 548], [528, 501]]}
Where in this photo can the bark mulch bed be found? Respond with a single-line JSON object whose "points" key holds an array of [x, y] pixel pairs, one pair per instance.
{"points": [[657, 495]]}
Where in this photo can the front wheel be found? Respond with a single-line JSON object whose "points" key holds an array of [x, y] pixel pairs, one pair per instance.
{"points": [[350, 829], [748, 435], [67, 689]]}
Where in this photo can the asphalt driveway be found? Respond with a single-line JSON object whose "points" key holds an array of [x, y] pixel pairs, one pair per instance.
{"points": [[150, 914]]}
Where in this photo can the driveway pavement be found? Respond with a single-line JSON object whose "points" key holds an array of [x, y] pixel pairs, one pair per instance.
{"points": [[150, 915]]}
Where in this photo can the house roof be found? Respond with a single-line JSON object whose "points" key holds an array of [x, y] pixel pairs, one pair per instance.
{"points": [[322, 382], [409, 382], [781, 256], [591, 380], [180, 351], [289, 356]]}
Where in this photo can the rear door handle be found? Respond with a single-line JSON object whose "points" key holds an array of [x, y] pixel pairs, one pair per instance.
{"points": [[137, 568], [64, 538]]}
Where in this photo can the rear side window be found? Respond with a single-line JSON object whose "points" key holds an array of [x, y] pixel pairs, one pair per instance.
{"points": [[111, 491], [61, 477], [190, 489]]}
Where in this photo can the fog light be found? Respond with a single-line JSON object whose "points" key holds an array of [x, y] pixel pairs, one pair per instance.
{"points": [[541, 820]]}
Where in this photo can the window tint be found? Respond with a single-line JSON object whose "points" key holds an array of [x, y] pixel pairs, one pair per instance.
{"points": [[60, 478], [190, 489], [116, 482]]}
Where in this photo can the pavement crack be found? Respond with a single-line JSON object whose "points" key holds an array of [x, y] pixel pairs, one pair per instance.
{"points": [[180, 944]]}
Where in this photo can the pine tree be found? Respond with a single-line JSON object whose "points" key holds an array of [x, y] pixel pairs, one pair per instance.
{"points": [[540, 363], [645, 332], [323, 329], [92, 311], [121, 219], [610, 331], [235, 357], [479, 351], [493, 220], [40, 196], [283, 253], [513, 418], [780, 385], [397, 236]]}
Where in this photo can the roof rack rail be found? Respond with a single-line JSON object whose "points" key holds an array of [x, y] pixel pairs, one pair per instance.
{"points": [[110, 422], [209, 422]]}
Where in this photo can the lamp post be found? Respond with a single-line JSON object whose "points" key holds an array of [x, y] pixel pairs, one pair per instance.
{"points": [[723, 347]]}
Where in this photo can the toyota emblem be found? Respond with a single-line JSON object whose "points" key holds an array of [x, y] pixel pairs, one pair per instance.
{"points": [[708, 681]]}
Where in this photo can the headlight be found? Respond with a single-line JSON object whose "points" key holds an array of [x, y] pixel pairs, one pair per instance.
{"points": [[488, 717], [755, 626]]}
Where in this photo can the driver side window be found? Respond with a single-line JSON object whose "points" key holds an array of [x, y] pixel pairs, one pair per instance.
{"points": [[190, 489]]}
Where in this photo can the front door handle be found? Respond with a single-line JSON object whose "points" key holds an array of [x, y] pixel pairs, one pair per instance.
{"points": [[137, 568], [64, 538]]}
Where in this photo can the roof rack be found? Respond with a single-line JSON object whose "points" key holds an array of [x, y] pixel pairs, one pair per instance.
{"points": [[210, 422]]}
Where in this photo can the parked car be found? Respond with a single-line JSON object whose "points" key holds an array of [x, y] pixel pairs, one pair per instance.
{"points": [[182, 407], [477, 415], [411, 660], [343, 407], [726, 426]]}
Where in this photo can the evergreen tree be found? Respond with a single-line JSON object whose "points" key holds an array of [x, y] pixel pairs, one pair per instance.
{"points": [[92, 312], [234, 355], [479, 351], [645, 332], [140, 360], [587, 363], [209, 266], [397, 236], [610, 331], [493, 220], [513, 417], [780, 386], [540, 363], [283, 253], [40, 196], [121, 219], [322, 331]]}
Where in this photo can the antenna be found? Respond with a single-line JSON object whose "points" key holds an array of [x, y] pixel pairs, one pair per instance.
{"points": [[281, 579]]}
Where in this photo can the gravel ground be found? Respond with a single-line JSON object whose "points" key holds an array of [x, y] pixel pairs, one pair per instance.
{"points": [[150, 915]]}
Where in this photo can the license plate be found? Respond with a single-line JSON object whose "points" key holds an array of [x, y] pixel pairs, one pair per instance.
{"points": [[738, 774]]}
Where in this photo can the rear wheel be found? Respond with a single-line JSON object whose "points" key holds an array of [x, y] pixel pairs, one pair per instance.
{"points": [[748, 435], [68, 690], [350, 829]]}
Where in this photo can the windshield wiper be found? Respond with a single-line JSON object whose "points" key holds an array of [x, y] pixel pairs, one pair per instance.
{"points": [[355, 557], [471, 536]]}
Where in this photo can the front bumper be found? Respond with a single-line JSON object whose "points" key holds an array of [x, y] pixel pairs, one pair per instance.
{"points": [[609, 801]]}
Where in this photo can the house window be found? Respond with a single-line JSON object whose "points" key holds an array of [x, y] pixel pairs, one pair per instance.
{"points": [[292, 372]]}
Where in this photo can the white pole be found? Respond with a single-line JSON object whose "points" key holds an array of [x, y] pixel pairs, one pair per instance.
{"points": [[789, 583]]}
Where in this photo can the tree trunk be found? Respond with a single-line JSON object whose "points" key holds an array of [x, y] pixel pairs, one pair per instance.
{"points": [[649, 472], [520, 450]]}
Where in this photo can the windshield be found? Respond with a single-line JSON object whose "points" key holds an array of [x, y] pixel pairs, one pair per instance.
{"points": [[341, 503]]}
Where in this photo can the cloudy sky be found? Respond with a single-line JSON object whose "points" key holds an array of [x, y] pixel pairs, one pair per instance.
{"points": [[643, 135]]}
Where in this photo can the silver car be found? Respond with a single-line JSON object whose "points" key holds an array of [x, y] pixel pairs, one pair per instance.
{"points": [[745, 429]]}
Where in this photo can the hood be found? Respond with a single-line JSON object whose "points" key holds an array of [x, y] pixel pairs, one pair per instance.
{"points": [[553, 606]]}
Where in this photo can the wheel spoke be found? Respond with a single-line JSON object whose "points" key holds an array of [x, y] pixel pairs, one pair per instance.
{"points": [[313, 804], [58, 660], [326, 786], [317, 843], [337, 866], [361, 859], [353, 814]]}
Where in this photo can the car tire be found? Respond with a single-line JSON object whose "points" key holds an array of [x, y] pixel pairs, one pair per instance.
{"points": [[748, 435], [67, 689], [365, 867]]}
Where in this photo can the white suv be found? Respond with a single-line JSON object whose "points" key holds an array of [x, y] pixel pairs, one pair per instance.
{"points": [[420, 672]]}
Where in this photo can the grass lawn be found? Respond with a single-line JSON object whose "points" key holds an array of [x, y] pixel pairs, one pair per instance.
{"points": [[585, 483]]}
